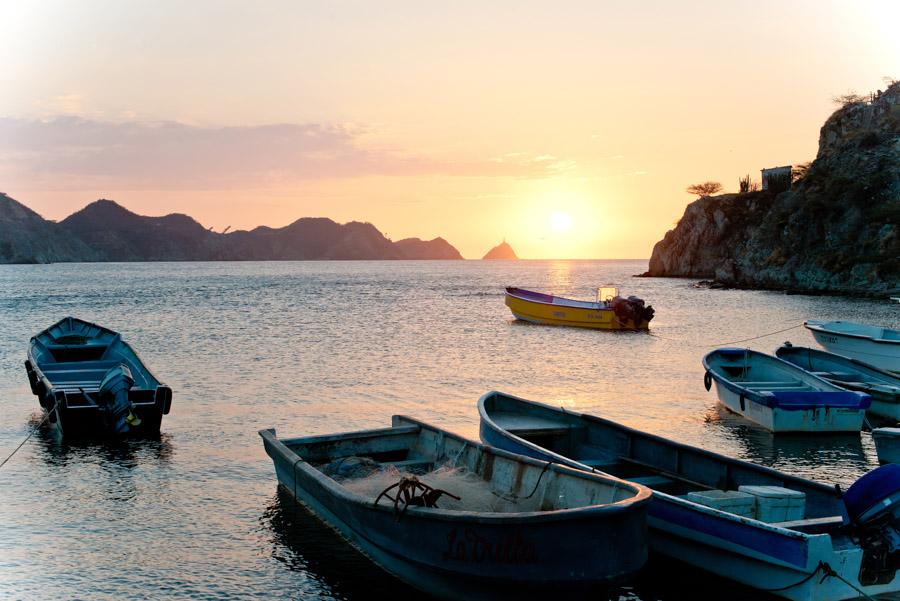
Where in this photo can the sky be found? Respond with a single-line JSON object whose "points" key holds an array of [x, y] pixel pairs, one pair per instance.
{"points": [[569, 129]]}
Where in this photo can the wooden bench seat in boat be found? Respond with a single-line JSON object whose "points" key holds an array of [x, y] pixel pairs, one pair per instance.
{"points": [[528, 424], [655, 481], [813, 525]]}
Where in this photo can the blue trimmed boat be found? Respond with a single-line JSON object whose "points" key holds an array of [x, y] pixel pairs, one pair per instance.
{"points": [[91, 382], [780, 396], [851, 374], [841, 546], [520, 525]]}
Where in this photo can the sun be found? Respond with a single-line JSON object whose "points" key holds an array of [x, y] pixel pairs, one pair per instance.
{"points": [[561, 222]]}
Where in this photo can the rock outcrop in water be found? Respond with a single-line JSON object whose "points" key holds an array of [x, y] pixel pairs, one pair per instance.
{"points": [[107, 231], [836, 230], [501, 251]]}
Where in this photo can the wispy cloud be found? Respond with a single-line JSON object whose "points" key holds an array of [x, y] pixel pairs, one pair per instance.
{"points": [[67, 151]]}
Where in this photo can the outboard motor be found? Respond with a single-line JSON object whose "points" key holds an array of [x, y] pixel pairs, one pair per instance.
{"points": [[873, 506], [114, 398], [631, 308]]}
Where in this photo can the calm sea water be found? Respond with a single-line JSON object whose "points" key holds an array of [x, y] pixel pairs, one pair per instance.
{"points": [[319, 347]]}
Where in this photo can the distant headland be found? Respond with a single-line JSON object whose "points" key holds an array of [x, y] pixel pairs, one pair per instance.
{"points": [[107, 231], [501, 251], [831, 226]]}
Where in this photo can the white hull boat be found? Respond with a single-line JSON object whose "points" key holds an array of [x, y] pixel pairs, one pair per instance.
{"points": [[874, 345], [780, 396], [887, 444]]}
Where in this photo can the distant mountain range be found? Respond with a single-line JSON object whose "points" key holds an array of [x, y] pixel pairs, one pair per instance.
{"points": [[107, 231]]}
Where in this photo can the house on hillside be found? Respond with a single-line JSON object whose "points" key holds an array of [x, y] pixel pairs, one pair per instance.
{"points": [[777, 179]]}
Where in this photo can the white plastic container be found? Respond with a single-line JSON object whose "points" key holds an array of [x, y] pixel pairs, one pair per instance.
{"points": [[732, 501], [777, 504]]}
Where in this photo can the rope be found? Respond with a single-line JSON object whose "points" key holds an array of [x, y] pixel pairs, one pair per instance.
{"points": [[827, 572], [731, 342], [27, 438]]}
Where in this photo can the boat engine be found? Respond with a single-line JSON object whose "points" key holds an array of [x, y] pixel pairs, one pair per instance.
{"points": [[114, 398], [631, 308], [873, 506]]}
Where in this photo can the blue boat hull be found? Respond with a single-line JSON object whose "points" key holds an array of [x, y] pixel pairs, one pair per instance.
{"points": [[757, 554], [482, 555], [66, 366]]}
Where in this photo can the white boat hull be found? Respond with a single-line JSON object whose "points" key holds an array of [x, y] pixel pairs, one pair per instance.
{"points": [[882, 355], [821, 419], [887, 444]]}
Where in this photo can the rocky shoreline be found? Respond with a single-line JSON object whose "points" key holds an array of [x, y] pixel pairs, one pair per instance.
{"points": [[836, 231]]}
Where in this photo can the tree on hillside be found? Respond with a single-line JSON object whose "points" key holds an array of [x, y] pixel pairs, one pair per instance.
{"points": [[704, 189]]}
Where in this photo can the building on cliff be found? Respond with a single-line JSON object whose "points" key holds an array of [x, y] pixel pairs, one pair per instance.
{"points": [[777, 179]]}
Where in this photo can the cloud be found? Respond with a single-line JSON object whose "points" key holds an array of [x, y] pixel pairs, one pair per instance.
{"points": [[70, 152]]}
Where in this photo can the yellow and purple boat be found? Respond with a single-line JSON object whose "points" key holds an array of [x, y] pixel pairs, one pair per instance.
{"points": [[609, 312]]}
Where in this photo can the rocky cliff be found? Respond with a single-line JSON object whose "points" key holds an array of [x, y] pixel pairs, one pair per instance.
{"points": [[501, 251], [836, 230], [107, 231]]}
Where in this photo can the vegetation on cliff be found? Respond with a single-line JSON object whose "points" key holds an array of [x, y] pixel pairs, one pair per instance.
{"points": [[836, 230]]}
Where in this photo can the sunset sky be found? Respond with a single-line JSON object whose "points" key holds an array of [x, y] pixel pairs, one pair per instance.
{"points": [[571, 129]]}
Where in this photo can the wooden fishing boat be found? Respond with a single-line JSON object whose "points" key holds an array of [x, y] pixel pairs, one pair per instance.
{"points": [[780, 396], [874, 345], [90, 381], [887, 444], [609, 312], [518, 524], [851, 374], [831, 548]]}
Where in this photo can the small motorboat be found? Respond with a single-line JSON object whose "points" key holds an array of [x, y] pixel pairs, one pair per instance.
{"points": [[851, 374], [780, 396], [90, 381], [887, 444], [609, 312], [792, 537], [874, 345], [459, 519]]}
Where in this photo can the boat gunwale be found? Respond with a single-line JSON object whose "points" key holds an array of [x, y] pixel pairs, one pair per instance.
{"points": [[864, 367], [818, 326], [640, 497], [785, 478], [551, 304]]}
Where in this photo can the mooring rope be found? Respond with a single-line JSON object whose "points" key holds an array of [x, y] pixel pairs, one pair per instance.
{"points": [[27, 438], [793, 327], [827, 572]]}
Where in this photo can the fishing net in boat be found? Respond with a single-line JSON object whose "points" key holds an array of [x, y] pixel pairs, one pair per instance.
{"points": [[474, 493]]}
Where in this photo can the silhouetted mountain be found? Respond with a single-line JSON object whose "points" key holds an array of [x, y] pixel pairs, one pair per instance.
{"points": [[120, 235], [501, 251], [26, 237], [107, 231], [414, 248]]}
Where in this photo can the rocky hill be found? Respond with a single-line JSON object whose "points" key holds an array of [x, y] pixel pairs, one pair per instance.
{"points": [[836, 230], [501, 251], [26, 237], [438, 248], [107, 231]]}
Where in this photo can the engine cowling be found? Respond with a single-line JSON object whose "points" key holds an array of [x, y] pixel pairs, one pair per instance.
{"points": [[873, 507], [114, 396]]}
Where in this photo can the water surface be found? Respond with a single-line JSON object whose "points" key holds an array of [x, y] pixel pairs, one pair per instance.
{"points": [[320, 347]]}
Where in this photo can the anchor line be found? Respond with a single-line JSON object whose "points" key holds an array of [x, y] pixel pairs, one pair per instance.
{"points": [[731, 342], [27, 438]]}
